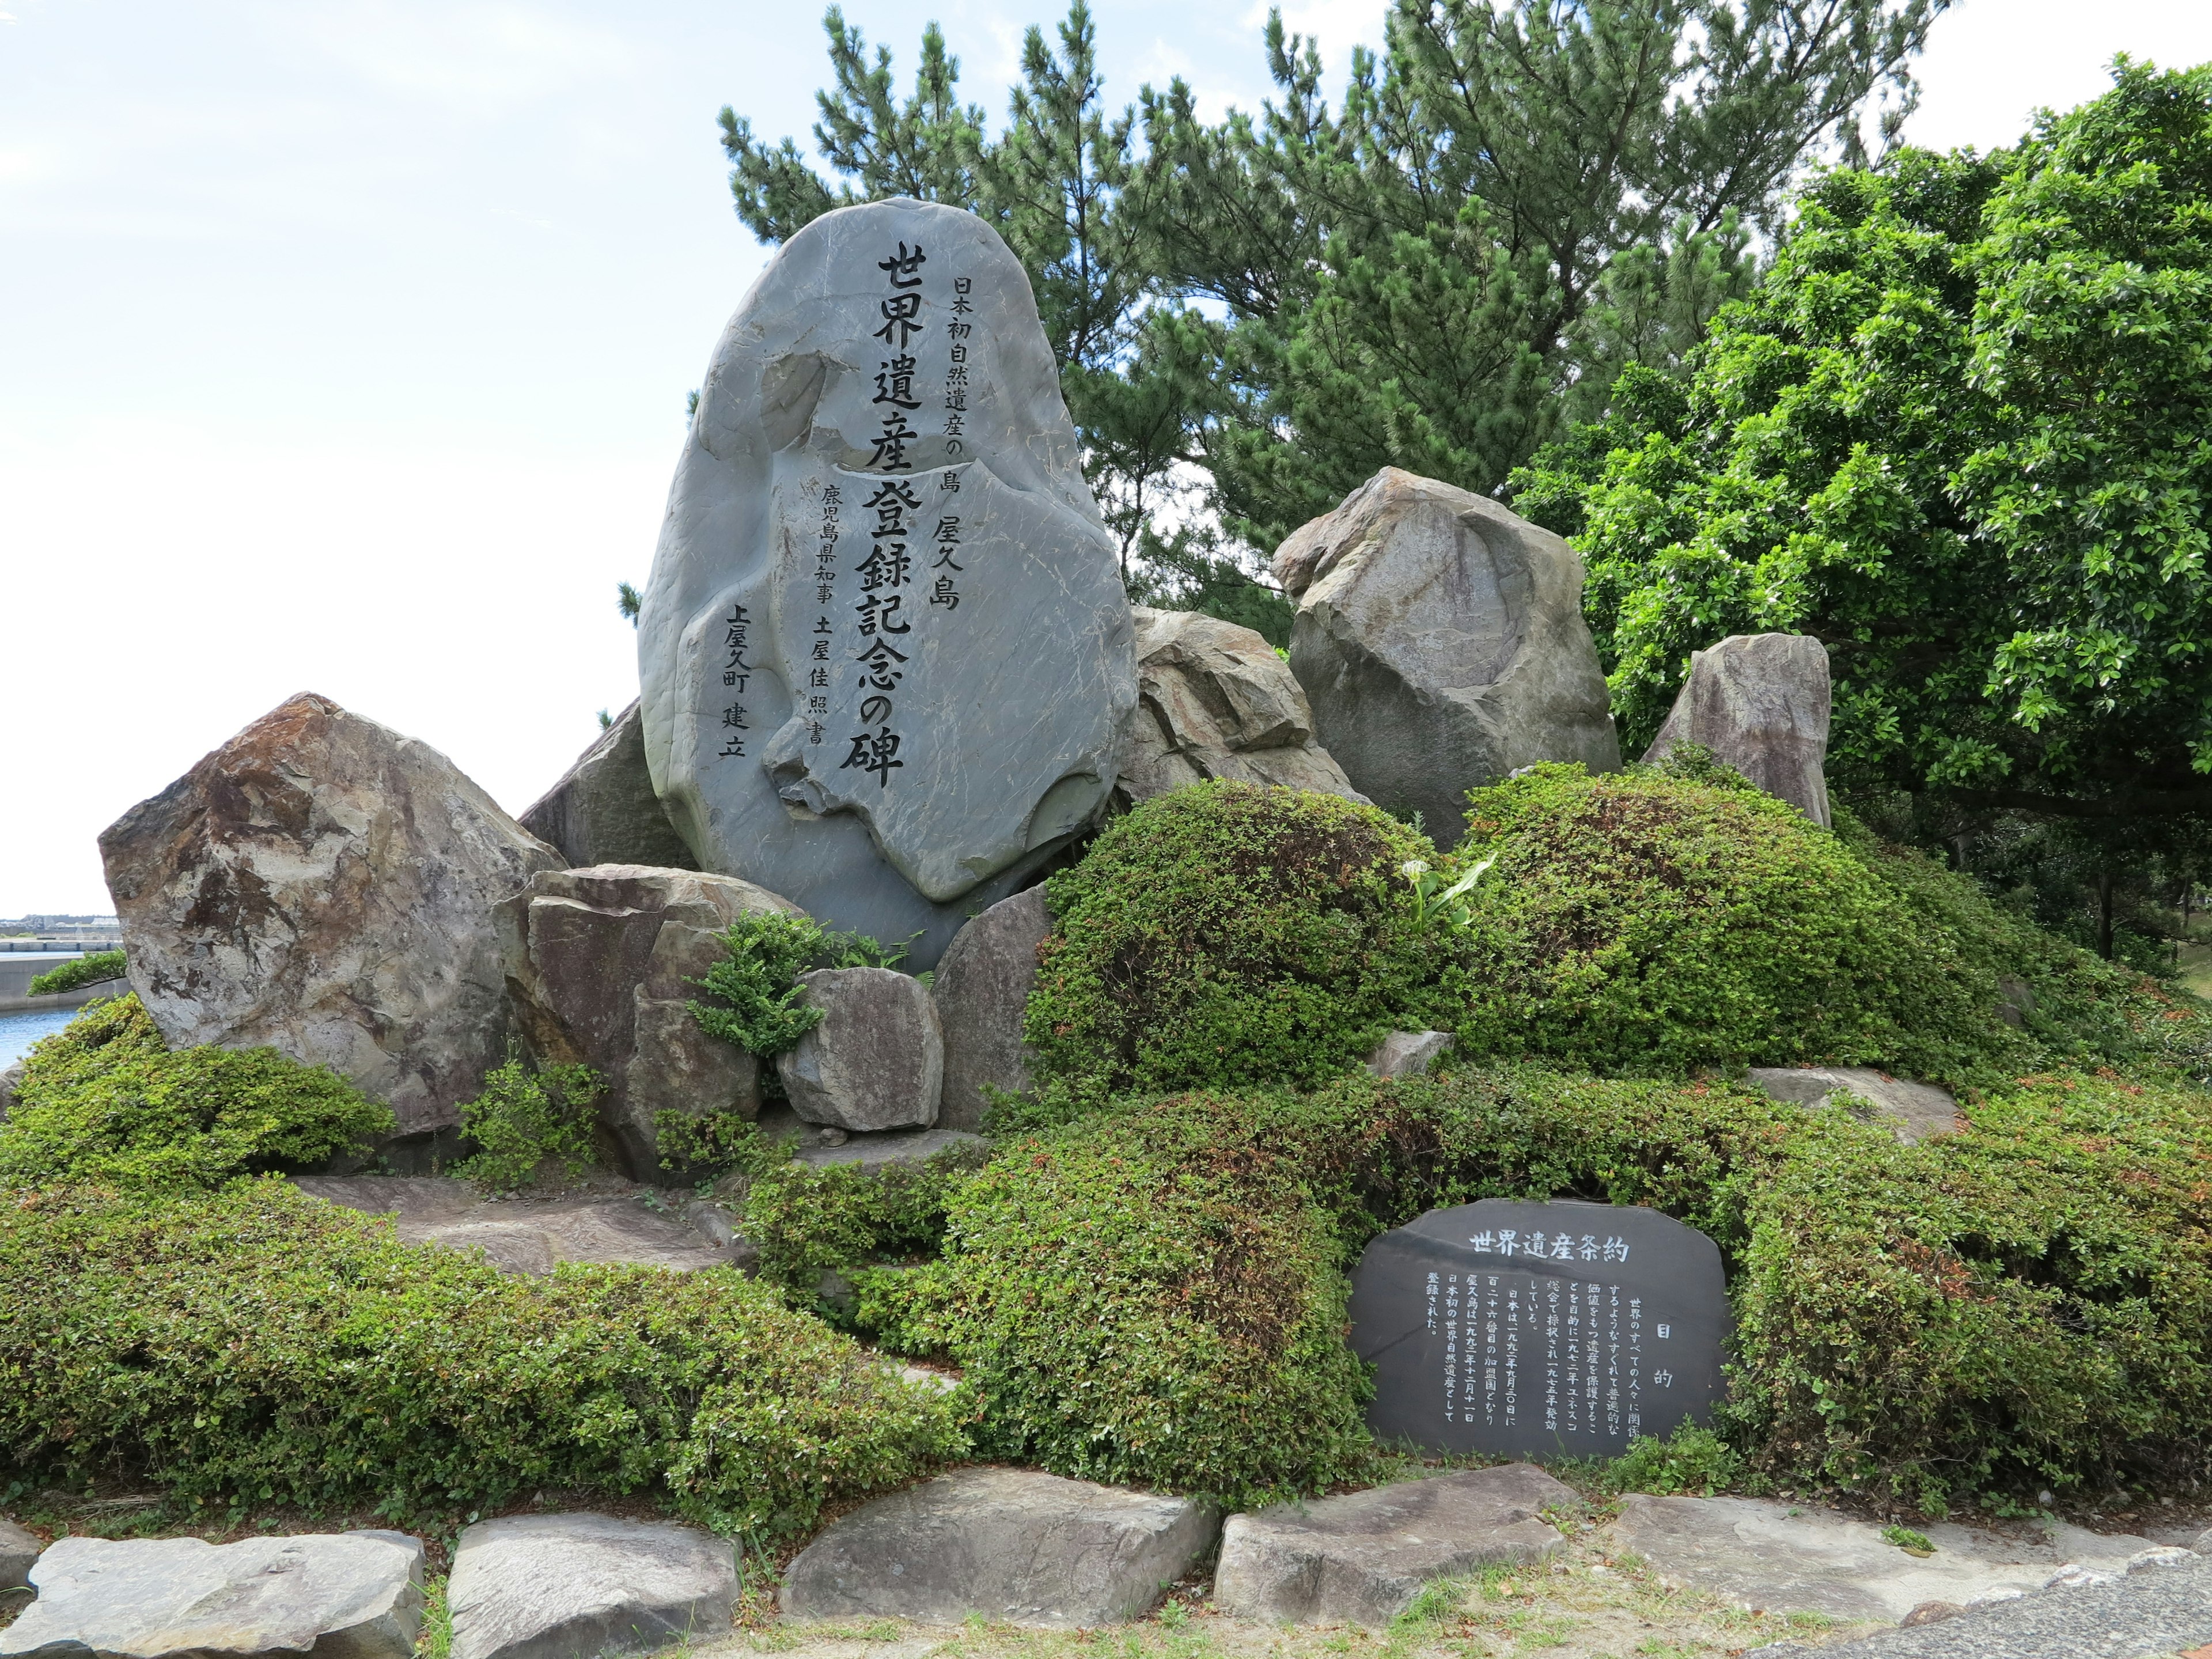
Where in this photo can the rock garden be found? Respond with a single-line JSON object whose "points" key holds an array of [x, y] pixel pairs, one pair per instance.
{"points": [[979, 1114]]}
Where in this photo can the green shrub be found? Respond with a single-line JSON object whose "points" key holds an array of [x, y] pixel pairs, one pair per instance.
{"points": [[1666, 918], [102, 1100], [807, 1221], [758, 979], [89, 969], [712, 1144], [524, 1117], [1691, 1460], [258, 1346], [1227, 933]]}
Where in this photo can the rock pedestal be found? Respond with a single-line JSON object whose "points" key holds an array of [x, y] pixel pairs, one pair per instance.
{"points": [[886, 651], [1016, 1546], [1214, 701], [1440, 641], [982, 990], [325, 886], [1362, 1558], [603, 811], [876, 1061], [599, 965], [582, 1586], [1759, 701], [358, 1594]]}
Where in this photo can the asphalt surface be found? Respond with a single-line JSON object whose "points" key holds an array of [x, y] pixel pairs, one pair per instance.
{"points": [[2156, 1610]]}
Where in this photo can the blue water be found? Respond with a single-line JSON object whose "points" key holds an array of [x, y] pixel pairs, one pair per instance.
{"points": [[18, 1031]]}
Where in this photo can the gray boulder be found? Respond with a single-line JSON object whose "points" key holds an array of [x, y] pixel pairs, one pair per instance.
{"points": [[1914, 1111], [603, 811], [19, 1549], [1362, 1558], [1408, 1054], [1214, 701], [876, 1061], [1441, 640], [1013, 1546], [599, 965], [581, 1586], [981, 989], [1759, 701], [885, 650], [356, 1594], [530, 1235], [11, 1079], [325, 886]]}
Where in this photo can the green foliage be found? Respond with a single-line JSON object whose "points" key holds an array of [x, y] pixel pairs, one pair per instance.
{"points": [[103, 1100], [89, 969], [1692, 1460], [1912, 1542], [713, 1143], [1515, 200], [1650, 920], [807, 1221], [525, 1116], [1227, 933], [758, 981], [258, 1346], [1956, 434]]}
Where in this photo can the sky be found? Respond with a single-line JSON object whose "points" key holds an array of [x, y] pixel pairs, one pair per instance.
{"points": [[344, 343]]}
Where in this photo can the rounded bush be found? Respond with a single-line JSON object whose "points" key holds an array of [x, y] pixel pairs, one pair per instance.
{"points": [[1668, 918], [1227, 933]]}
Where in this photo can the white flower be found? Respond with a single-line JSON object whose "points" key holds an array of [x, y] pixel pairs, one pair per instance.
{"points": [[1413, 869]]}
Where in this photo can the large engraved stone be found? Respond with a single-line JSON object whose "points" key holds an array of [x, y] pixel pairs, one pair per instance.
{"points": [[1539, 1330], [1214, 701], [886, 653], [1441, 640], [325, 886], [600, 969], [1759, 701]]}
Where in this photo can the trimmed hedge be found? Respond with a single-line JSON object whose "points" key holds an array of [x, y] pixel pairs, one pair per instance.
{"points": [[255, 1346], [89, 969], [103, 1100], [1227, 933]]}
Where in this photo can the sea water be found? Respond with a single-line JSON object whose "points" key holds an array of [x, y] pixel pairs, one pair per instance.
{"points": [[18, 1031]]}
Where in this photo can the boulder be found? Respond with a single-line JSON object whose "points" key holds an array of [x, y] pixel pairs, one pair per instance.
{"points": [[876, 1061], [981, 989], [581, 1586], [1408, 1054], [10, 1080], [356, 1594], [1440, 639], [1013, 1546], [1801, 1558], [599, 969], [325, 886], [19, 1549], [610, 1225], [1214, 701], [1914, 1111], [1361, 1558], [604, 811], [1759, 701], [885, 649]]}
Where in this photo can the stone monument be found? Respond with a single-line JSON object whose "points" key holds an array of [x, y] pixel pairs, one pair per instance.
{"points": [[1539, 1330], [886, 658]]}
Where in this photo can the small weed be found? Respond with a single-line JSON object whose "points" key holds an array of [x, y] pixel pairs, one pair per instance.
{"points": [[1912, 1542]]}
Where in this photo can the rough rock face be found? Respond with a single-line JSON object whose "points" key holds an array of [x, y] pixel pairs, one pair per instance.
{"points": [[1361, 1558], [1759, 701], [1011, 1545], [982, 990], [19, 1549], [603, 1222], [1442, 642], [566, 1586], [876, 1061], [604, 811], [1914, 1111], [325, 886], [886, 651], [1409, 1054], [598, 967], [1214, 701], [357, 1594]]}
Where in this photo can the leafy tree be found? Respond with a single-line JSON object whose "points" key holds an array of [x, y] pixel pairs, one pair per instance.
{"points": [[1517, 198], [1959, 433]]}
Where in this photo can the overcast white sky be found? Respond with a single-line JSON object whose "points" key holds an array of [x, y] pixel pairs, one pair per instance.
{"points": [[343, 344]]}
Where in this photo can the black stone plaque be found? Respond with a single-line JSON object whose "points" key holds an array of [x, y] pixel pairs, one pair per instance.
{"points": [[1539, 1330]]}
